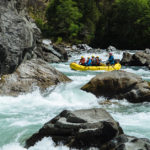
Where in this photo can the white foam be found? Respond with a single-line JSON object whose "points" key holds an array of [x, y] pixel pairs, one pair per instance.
{"points": [[24, 115], [12, 146]]}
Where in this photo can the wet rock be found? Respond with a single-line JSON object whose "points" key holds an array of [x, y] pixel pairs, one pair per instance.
{"points": [[119, 85], [33, 73], [147, 51], [127, 59], [79, 129], [111, 48], [62, 51], [83, 47], [52, 53], [19, 35], [46, 42], [125, 142], [140, 58], [74, 47]]}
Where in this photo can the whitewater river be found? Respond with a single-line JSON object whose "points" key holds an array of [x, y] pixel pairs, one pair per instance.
{"points": [[22, 116]]}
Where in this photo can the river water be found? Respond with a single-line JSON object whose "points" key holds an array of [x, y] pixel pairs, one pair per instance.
{"points": [[24, 115]]}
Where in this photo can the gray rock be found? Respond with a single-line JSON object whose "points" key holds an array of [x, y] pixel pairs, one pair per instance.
{"points": [[51, 58], [140, 58], [81, 47], [61, 50], [127, 58], [33, 73], [111, 48], [52, 52], [147, 51], [119, 85], [84, 47], [74, 47], [18, 35], [125, 142], [79, 129], [46, 42]]}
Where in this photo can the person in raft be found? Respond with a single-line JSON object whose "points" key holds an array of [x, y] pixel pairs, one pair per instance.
{"points": [[88, 62], [98, 61], [82, 61], [111, 59], [93, 59]]}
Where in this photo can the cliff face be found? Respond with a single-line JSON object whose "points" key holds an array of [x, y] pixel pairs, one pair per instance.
{"points": [[18, 35]]}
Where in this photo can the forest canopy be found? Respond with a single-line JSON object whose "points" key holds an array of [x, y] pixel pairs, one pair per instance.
{"points": [[100, 23]]}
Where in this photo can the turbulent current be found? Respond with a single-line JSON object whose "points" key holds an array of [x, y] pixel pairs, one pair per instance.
{"points": [[22, 116]]}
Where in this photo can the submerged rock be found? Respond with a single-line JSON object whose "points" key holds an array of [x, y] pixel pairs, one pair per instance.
{"points": [[119, 85], [79, 129], [33, 73], [125, 142]]}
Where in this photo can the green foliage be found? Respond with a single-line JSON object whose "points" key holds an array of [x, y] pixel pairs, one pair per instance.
{"points": [[63, 18], [59, 40], [122, 23], [125, 24], [89, 19], [73, 20]]}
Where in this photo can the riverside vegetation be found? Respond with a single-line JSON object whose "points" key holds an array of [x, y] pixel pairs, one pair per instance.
{"points": [[122, 23]]}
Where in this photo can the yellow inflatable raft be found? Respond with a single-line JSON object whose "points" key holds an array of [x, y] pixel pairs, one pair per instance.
{"points": [[76, 66]]}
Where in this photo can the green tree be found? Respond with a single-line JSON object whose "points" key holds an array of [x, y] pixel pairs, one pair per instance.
{"points": [[125, 24], [63, 19], [91, 14]]}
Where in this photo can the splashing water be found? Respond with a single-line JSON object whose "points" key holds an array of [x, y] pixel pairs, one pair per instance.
{"points": [[24, 115]]}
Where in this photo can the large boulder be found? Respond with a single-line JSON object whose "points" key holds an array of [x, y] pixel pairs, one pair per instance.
{"points": [[126, 59], [79, 129], [33, 73], [125, 142], [140, 58], [52, 53], [119, 85], [18, 35]]}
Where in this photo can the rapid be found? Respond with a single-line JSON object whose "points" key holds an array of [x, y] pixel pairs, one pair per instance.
{"points": [[24, 115]]}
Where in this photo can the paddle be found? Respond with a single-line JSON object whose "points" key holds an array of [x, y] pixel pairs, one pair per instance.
{"points": [[111, 65]]}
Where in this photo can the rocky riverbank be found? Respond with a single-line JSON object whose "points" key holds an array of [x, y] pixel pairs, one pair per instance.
{"points": [[23, 58], [20, 38], [29, 75]]}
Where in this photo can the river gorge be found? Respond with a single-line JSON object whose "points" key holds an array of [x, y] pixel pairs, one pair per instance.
{"points": [[24, 115]]}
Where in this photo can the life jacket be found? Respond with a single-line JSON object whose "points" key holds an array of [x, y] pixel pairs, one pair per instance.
{"points": [[82, 61], [97, 61], [111, 60], [88, 62], [93, 61]]}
